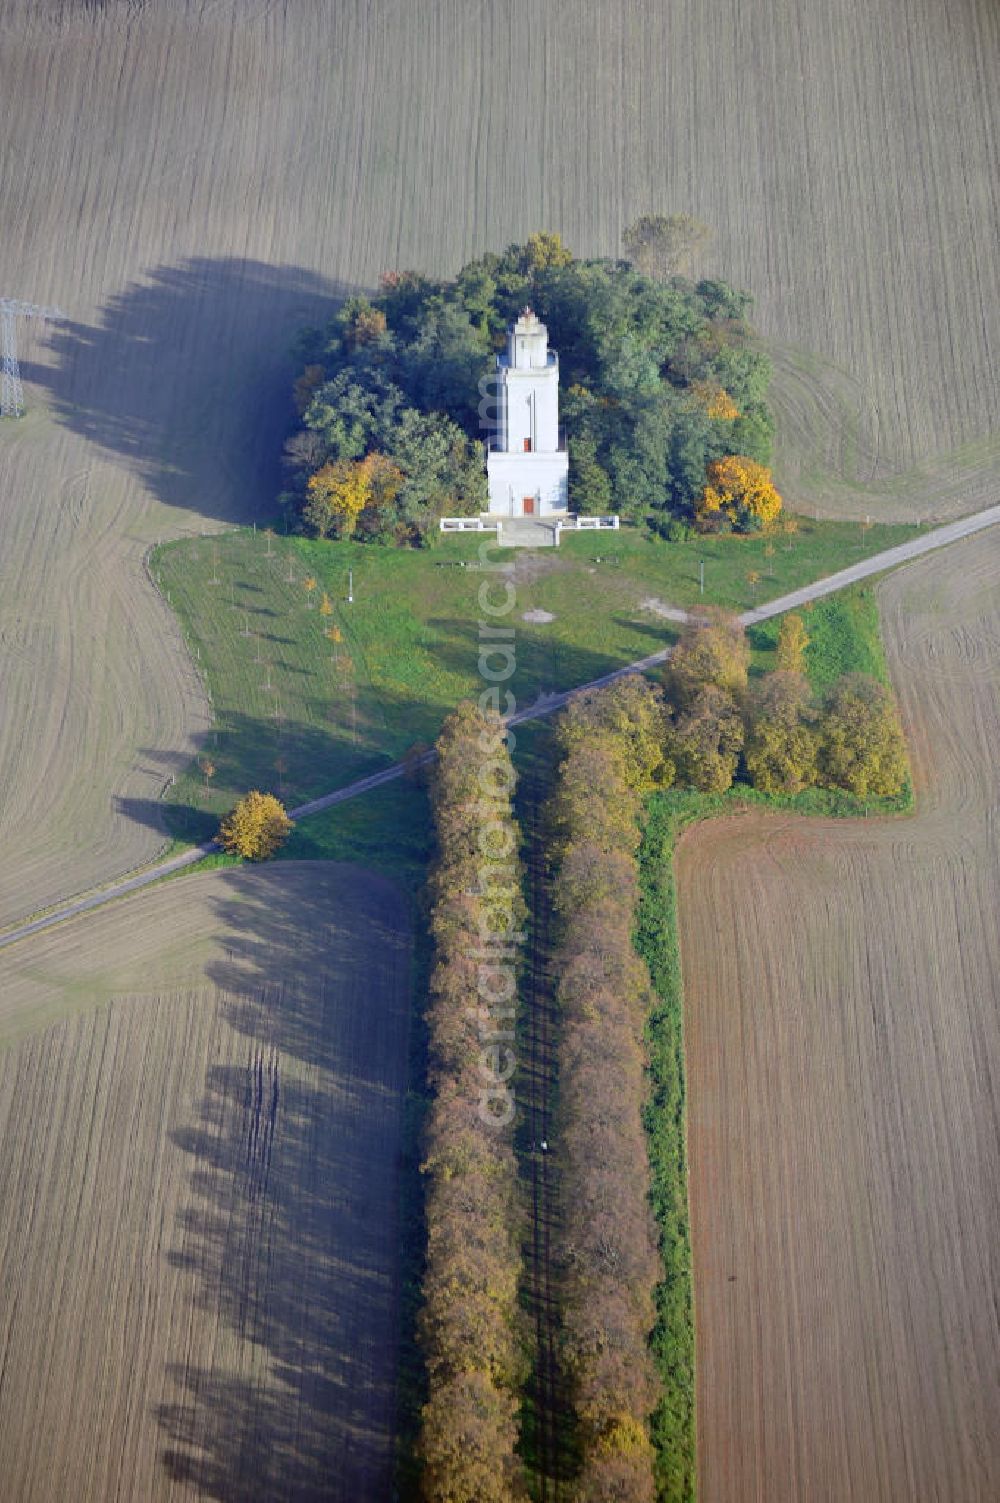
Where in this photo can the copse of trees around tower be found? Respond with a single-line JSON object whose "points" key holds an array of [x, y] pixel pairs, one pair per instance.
{"points": [[661, 379], [470, 1325]]}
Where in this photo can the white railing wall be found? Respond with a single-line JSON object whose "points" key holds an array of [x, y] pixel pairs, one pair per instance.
{"points": [[468, 524], [585, 524]]}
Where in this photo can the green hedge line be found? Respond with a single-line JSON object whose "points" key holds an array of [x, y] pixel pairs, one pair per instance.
{"points": [[672, 1429]]}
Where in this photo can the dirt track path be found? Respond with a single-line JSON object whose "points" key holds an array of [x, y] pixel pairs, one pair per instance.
{"points": [[537, 1084], [917, 547], [842, 990]]}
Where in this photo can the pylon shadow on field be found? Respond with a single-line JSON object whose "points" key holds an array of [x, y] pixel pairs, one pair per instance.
{"points": [[186, 379], [288, 1233]]}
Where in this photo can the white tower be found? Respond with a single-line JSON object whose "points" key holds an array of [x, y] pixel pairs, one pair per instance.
{"points": [[527, 466]]}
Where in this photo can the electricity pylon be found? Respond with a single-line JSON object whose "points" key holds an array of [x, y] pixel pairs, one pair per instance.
{"points": [[11, 309]]}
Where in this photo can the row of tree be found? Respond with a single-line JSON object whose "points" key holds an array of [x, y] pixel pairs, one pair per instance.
{"points": [[660, 379], [469, 1328], [612, 744], [774, 735]]}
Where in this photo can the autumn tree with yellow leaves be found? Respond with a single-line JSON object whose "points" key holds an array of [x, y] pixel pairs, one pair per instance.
{"points": [[605, 1242], [782, 741], [470, 1325], [713, 650], [632, 710], [342, 489], [706, 740], [256, 828], [861, 740], [714, 401], [741, 490], [793, 639]]}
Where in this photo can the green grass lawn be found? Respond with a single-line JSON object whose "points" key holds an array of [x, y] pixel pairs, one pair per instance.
{"points": [[299, 714], [844, 637]]}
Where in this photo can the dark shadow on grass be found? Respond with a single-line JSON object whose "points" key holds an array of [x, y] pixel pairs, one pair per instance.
{"points": [[336, 747], [544, 664], [663, 633], [186, 379], [289, 1232]]}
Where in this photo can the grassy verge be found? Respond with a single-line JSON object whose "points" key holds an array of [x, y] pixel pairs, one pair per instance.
{"points": [[673, 1337], [844, 637]]}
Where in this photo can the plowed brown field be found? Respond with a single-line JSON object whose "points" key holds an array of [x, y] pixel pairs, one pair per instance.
{"points": [[191, 180], [843, 1041], [199, 1193]]}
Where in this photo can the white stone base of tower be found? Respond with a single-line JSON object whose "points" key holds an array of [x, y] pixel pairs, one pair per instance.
{"points": [[528, 485]]}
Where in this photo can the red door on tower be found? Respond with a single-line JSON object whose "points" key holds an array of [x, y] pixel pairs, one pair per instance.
{"points": [[529, 506]]}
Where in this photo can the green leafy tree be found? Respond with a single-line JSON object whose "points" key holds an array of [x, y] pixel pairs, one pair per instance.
{"points": [[589, 484], [388, 371], [350, 415]]}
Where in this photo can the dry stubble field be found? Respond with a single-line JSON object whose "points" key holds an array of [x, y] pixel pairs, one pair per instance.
{"points": [[200, 1105], [843, 1038], [190, 181]]}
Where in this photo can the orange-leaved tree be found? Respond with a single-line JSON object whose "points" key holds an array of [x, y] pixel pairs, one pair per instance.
{"points": [[365, 324], [306, 386], [256, 828], [385, 479], [737, 486]]}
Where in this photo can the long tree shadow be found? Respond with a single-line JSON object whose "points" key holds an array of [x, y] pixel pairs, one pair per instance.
{"points": [[186, 379], [289, 1230]]}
